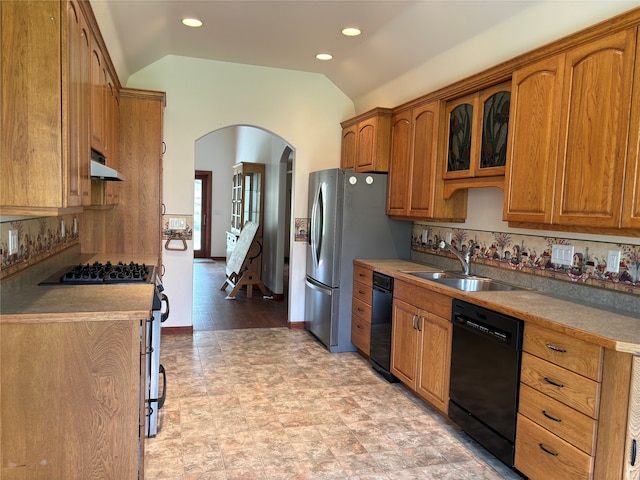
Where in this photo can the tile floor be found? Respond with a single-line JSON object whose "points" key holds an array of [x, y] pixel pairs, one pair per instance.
{"points": [[272, 403]]}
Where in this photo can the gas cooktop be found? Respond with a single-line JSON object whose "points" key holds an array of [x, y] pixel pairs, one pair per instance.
{"points": [[98, 273]]}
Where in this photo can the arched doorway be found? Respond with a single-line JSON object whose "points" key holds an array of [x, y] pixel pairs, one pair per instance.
{"points": [[217, 152]]}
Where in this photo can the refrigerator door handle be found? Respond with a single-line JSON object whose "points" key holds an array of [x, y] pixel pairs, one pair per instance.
{"points": [[312, 284], [317, 221]]}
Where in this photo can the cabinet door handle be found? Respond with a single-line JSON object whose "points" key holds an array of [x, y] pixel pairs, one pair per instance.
{"points": [[544, 412], [420, 319], [634, 451], [546, 450], [551, 382], [413, 321], [556, 349]]}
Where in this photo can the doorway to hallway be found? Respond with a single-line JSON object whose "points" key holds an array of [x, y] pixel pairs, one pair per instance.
{"points": [[202, 214]]}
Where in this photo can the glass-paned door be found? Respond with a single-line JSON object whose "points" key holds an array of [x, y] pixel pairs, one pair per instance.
{"points": [[495, 127]]}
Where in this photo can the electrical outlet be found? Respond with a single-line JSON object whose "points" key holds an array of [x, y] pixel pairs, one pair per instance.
{"points": [[13, 242], [613, 261], [177, 223], [562, 254]]}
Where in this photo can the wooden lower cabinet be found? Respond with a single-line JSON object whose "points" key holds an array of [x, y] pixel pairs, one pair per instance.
{"points": [[421, 342], [361, 309], [578, 413], [70, 400]]}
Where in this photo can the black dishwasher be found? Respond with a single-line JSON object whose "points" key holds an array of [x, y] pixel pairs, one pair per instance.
{"points": [[485, 374], [381, 314]]}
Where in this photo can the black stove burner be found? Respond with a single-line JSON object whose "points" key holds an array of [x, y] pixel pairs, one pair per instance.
{"points": [[100, 273]]}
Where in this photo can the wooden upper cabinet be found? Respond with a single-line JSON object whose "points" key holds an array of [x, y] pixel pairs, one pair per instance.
{"points": [[366, 141], [349, 142], [399, 181], [477, 128], [97, 98], [631, 197], [596, 108], [415, 183], [536, 93], [42, 163]]}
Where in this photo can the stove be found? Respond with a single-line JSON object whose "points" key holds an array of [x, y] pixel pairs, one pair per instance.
{"points": [[98, 273], [132, 273]]}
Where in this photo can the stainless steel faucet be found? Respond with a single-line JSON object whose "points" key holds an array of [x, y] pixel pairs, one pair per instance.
{"points": [[463, 257]]}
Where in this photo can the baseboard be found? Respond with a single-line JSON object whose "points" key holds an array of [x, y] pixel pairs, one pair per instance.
{"points": [[219, 259], [299, 325], [278, 296], [177, 330]]}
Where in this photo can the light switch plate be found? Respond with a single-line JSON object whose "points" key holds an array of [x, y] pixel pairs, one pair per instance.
{"points": [[613, 261], [178, 223], [13, 242], [562, 254]]}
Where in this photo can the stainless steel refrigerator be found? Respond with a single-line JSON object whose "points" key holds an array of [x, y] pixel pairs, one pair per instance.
{"points": [[347, 221]]}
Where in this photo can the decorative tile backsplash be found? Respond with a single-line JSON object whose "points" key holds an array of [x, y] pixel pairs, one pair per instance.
{"points": [[532, 254], [38, 239]]}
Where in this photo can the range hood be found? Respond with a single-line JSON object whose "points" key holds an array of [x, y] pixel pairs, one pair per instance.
{"points": [[99, 171]]}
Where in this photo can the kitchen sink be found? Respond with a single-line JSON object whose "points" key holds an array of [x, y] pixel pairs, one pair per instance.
{"points": [[475, 284], [463, 282]]}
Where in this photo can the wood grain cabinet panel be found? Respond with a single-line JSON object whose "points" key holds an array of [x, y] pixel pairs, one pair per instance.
{"points": [[366, 141], [362, 301], [541, 455], [561, 384], [631, 197], [43, 162], [632, 456], [415, 183], [73, 399], [564, 350], [596, 108], [421, 342], [533, 141]]}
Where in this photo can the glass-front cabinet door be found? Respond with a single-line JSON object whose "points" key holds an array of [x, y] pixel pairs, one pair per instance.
{"points": [[247, 195], [477, 127]]}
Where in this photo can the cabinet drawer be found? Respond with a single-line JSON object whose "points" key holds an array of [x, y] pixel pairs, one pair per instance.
{"points": [[424, 298], [569, 424], [539, 452], [361, 309], [568, 352], [361, 333], [572, 389], [363, 292], [363, 275]]}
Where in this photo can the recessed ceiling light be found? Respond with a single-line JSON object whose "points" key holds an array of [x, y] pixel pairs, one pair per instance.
{"points": [[192, 22], [351, 31], [324, 56]]}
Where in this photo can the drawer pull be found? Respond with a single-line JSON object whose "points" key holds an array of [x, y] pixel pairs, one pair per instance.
{"points": [[634, 451], [551, 382], [359, 326], [544, 412], [556, 349], [361, 275], [546, 450], [360, 310], [360, 292]]}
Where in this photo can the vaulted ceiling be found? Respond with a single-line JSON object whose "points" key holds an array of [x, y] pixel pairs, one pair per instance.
{"points": [[397, 35]]}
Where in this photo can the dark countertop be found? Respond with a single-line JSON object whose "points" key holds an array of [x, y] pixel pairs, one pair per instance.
{"points": [[22, 300], [610, 329]]}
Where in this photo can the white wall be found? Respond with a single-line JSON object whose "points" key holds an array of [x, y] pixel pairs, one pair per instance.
{"points": [[202, 96]]}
